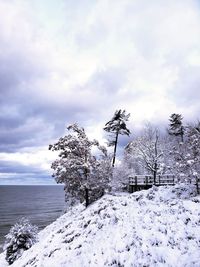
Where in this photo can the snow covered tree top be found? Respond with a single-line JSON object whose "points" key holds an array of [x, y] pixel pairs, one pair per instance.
{"points": [[118, 123], [176, 126]]}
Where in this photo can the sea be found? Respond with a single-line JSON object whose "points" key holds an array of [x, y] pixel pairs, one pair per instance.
{"points": [[41, 204]]}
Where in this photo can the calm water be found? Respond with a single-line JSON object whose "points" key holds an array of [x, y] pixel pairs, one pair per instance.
{"points": [[40, 204]]}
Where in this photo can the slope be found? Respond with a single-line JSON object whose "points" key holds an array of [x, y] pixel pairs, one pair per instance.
{"points": [[157, 227]]}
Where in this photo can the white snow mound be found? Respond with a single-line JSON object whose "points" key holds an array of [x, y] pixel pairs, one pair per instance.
{"points": [[156, 227]]}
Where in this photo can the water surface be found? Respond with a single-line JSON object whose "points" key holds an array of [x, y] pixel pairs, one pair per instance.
{"points": [[40, 204]]}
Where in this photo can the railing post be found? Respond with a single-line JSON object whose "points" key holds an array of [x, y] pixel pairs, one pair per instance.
{"points": [[135, 183], [130, 185], [86, 197], [197, 184], [146, 180]]}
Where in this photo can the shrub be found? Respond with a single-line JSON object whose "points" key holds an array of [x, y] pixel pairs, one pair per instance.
{"points": [[20, 238]]}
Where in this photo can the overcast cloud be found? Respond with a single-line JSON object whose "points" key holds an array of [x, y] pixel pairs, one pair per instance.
{"points": [[69, 61]]}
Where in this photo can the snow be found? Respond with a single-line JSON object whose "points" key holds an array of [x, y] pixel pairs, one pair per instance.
{"points": [[156, 227]]}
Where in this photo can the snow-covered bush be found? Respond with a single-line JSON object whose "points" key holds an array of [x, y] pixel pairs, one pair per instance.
{"points": [[120, 178], [20, 238], [167, 193]]}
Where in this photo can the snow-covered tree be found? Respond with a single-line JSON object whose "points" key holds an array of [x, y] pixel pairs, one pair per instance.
{"points": [[117, 126], [101, 174], [20, 238], [176, 127], [77, 167], [146, 152], [187, 155], [120, 179]]}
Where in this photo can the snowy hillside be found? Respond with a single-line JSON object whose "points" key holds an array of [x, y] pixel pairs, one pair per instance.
{"points": [[157, 227]]}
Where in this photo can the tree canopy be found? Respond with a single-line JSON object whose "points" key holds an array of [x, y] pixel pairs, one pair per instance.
{"points": [[176, 126], [76, 165]]}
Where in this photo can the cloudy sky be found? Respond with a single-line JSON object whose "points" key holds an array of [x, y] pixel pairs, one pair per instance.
{"points": [[65, 61]]}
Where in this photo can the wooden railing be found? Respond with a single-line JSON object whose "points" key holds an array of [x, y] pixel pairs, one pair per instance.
{"points": [[138, 182]]}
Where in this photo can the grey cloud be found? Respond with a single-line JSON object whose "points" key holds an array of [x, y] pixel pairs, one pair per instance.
{"points": [[187, 89], [96, 96], [9, 121], [15, 167], [17, 173], [27, 178], [16, 68], [17, 72], [107, 82], [26, 135], [186, 93], [105, 86]]}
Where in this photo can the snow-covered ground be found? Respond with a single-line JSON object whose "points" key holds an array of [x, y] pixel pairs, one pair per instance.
{"points": [[156, 227]]}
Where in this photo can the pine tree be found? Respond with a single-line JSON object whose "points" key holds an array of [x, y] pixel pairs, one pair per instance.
{"points": [[20, 238], [116, 126], [176, 126], [76, 166]]}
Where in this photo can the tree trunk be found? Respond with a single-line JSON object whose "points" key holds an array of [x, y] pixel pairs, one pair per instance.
{"points": [[155, 174], [182, 137], [86, 189], [155, 164], [115, 148], [86, 197]]}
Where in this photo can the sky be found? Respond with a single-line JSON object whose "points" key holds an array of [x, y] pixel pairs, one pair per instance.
{"points": [[67, 61]]}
